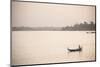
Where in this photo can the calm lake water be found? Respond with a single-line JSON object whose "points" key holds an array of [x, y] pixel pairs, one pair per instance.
{"points": [[37, 47]]}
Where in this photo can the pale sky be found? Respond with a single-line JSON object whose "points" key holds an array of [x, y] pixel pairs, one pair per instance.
{"points": [[50, 15]]}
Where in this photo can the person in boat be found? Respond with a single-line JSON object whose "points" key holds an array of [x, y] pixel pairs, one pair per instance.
{"points": [[74, 50]]}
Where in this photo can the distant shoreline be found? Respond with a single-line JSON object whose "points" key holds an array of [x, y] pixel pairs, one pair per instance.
{"points": [[49, 29], [76, 27]]}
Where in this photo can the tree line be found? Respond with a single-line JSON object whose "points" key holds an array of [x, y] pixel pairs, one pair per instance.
{"points": [[76, 27], [81, 27]]}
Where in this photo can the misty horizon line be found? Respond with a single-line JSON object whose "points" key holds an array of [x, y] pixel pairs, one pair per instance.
{"points": [[77, 27], [58, 26]]}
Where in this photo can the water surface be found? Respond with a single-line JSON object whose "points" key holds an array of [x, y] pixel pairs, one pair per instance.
{"points": [[37, 47]]}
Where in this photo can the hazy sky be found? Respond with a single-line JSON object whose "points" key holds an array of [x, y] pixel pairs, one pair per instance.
{"points": [[52, 15]]}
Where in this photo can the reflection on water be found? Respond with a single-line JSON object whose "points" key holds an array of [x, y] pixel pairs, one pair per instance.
{"points": [[37, 47]]}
